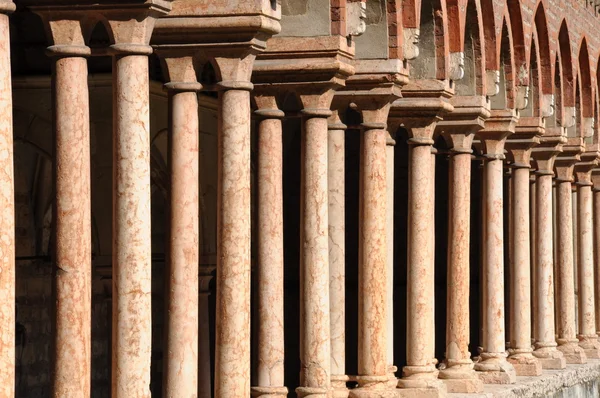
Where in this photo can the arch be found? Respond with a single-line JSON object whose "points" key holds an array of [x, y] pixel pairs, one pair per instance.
{"points": [[535, 93], [505, 99], [566, 66], [585, 80], [411, 13], [433, 62], [545, 63], [519, 54], [489, 33], [473, 82], [456, 25]]}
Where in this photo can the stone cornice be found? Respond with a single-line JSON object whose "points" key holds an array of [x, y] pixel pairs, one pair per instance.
{"points": [[467, 117], [315, 60]]}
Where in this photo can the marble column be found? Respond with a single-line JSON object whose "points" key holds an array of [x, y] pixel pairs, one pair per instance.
{"points": [[72, 226], [315, 343], [204, 355], [181, 359], [232, 346], [389, 233], [588, 339], [545, 341], [459, 375], [269, 267], [337, 253], [520, 351], [596, 194], [372, 283], [7, 213], [420, 374], [567, 328], [132, 261], [494, 368]]}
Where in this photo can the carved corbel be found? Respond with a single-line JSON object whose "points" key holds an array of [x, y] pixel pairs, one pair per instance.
{"points": [[410, 43], [492, 82], [522, 98], [547, 105], [457, 66], [356, 16]]}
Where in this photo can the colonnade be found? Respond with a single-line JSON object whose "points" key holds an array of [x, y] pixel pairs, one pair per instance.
{"points": [[322, 259]]}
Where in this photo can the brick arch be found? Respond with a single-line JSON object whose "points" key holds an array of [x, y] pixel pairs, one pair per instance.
{"points": [[535, 76], [433, 42], [519, 54], [545, 63], [473, 45], [585, 80], [507, 64], [489, 33], [566, 65], [456, 11]]}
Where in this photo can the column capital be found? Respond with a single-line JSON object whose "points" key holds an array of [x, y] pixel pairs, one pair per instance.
{"points": [[498, 127], [180, 68], [589, 161], [267, 105], [65, 32]]}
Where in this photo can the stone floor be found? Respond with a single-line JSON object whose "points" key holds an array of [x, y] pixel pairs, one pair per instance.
{"points": [[577, 381]]}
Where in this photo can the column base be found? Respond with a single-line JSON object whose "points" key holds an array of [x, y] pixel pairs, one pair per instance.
{"points": [[525, 363], [421, 382], [313, 392], [338, 384], [461, 378], [495, 369], [392, 369], [549, 356], [572, 352], [269, 392], [590, 346]]}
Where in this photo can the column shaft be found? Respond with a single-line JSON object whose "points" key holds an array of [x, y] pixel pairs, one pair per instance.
{"points": [[494, 368], [181, 365], [494, 336], [459, 375], [521, 278], [585, 257], [204, 327], [545, 345], [73, 229], [132, 326], [372, 282], [232, 351], [389, 233], [337, 256], [567, 334], [7, 218], [314, 259], [269, 270], [420, 358]]}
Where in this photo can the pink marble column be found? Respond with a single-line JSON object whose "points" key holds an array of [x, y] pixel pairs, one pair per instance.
{"points": [[389, 233], [181, 359], [596, 194], [588, 340], [315, 351], [337, 253], [372, 283], [132, 262], [545, 344], [494, 368], [72, 227], [520, 351], [567, 328], [269, 268], [420, 374], [7, 213], [459, 375], [204, 356], [232, 350]]}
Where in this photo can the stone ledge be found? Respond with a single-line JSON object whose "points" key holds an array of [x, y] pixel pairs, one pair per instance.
{"points": [[549, 384]]}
